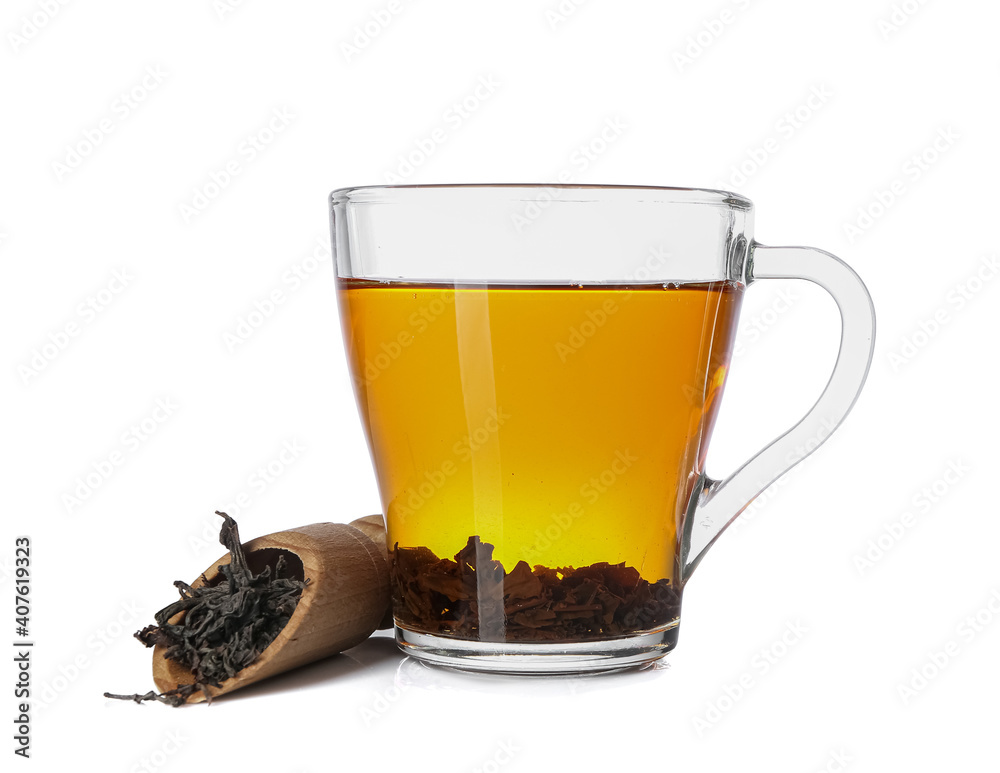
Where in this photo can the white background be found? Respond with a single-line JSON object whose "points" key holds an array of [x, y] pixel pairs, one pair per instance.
{"points": [[701, 89]]}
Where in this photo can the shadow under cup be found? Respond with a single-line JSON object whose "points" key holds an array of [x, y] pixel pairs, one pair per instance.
{"points": [[538, 370]]}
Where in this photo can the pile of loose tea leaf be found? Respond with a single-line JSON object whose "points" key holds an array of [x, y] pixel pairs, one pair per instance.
{"points": [[225, 624], [474, 597]]}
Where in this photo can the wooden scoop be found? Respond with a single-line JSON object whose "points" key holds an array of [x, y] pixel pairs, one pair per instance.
{"points": [[346, 600]]}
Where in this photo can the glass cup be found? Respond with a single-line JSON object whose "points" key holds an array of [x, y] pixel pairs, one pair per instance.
{"points": [[538, 369]]}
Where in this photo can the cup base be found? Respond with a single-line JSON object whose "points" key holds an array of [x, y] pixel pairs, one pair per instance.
{"points": [[539, 658]]}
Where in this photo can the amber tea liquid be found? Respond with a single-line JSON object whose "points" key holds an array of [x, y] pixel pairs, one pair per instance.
{"points": [[565, 425]]}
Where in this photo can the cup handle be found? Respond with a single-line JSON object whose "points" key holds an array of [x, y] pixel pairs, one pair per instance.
{"points": [[715, 504]]}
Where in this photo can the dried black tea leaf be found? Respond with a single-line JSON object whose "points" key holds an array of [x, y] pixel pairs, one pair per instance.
{"points": [[452, 597], [225, 625]]}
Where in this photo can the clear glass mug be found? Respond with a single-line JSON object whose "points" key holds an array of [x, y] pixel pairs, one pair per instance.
{"points": [[538, 370]]}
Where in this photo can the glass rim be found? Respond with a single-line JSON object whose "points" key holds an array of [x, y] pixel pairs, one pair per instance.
{"points": [[375, 194]]}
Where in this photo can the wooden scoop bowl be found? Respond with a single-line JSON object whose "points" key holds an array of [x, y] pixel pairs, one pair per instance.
{"points": [[346, 600]]}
